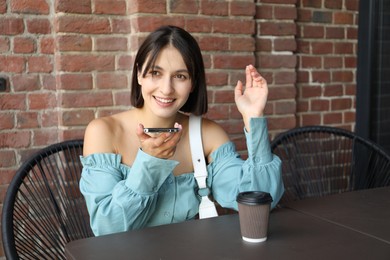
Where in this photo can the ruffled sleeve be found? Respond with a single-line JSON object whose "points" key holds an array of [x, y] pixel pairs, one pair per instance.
{"points": [[118, 197], [229, 174]]}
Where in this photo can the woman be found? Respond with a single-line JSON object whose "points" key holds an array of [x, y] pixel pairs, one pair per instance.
{"points": [[133, 179]]}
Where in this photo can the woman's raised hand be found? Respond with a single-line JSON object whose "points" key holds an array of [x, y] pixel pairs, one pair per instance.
{"points": [[251, 101]]}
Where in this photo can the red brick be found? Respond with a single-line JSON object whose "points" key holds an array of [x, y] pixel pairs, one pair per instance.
{"points": [[30, 7], [37, 64], [242, 8], [86, 63], [198, 24], [75, 81], [116, 7], [26, 82], [147, 6], [111, 44], [310, 31], [333, 62], [309, 91], [11, 26], [214, 43], [352, 5], [39, 26], [277, 29], [6, 120], [125, 62], [35, 101], [149, 24], [241, 44], [333, 90], [322, 47], [311, 3], [218, 111], [45, 137], [232, 62], [310, 119], [333, 4], [234, 26], [122, 98], [264, 12], [4, 44], [319, 105], [74, 6], [87, 25], [15, 64], [49, 118], [335, 33], [3, 6], [277, 61], [310, 62], [285, 12], [24, 45], [321, 76], [77, 118], [350, 62], [285, 44], [18, 139], [281, 92], [217, 78], [74, 43], [111, 81], [88, 99], [283, 122], [121, 25], [49, 82], [343, 48], [47, 45], [342, 76], [183, 7], [341, 104], [12, 102], [7, 159], [217, 8], [285, 107], [285, 77], [27, 120], [224, 96], [333, 118], [264, 45], [343, 18]]}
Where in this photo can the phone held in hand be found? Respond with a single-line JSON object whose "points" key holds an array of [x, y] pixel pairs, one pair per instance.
{"points": [[161, 130]]}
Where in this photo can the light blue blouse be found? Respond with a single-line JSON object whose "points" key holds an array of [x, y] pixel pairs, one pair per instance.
{"points": [[120, 197]]}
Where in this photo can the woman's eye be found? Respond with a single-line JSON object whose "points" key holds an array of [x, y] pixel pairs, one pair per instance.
{"points": [[181, 76], [154, 73]]}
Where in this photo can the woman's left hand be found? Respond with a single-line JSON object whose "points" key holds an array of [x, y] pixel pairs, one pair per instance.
{"points": [[251, 101]]}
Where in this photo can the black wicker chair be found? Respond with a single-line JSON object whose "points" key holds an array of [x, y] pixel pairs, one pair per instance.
{"points": [[320, 160], [43, 208]]}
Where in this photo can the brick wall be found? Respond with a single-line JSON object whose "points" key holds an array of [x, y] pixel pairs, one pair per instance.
{"points": [[68, 61]]}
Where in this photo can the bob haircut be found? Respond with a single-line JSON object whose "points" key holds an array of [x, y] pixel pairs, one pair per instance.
{"points": [[190, 51]]}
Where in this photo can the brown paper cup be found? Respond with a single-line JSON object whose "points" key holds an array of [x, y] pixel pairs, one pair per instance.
{"points": [[254, 208]]}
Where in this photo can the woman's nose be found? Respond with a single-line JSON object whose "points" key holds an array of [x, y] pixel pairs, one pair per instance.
{"points": [[166, 86]]}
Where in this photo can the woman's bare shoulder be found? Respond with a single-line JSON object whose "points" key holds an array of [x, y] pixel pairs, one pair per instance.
{"points": [[99, 135], [213, 135]]}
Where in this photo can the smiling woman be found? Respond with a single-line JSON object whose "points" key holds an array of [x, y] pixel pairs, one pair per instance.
{"points": [[132, 179]]}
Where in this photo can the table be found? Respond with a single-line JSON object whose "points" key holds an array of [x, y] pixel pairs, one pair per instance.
{"points": [[301, 231], [365, 211]]}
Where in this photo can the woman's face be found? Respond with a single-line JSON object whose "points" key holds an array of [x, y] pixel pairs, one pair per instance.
{"points": [[167, 85]]}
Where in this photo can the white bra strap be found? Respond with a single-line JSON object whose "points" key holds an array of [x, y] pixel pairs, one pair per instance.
{"points": [[207, 207]]}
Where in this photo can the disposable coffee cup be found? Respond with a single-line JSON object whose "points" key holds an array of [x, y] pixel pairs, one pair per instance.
{"points": [[253, 210]]}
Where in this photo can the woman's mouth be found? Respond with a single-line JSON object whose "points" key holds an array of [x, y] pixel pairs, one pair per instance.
{"points": [[164, 101]]}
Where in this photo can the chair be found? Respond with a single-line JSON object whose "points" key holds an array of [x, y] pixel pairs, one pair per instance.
{"points": [[43, 207], [319, 160]]}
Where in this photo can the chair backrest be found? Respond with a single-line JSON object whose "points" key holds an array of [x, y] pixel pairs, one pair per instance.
{"points": [[320, 160], [43, 207]]}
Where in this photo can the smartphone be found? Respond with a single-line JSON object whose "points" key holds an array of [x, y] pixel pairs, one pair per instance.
{"points": [[161, 130]]}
